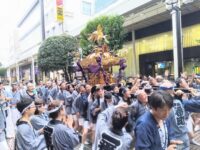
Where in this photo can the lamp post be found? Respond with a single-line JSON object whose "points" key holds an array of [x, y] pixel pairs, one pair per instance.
{"points": [[42, 19], [175, 7]]}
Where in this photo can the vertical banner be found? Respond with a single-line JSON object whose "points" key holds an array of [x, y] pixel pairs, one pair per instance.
{"points": [[59, 11], [196, 70]]}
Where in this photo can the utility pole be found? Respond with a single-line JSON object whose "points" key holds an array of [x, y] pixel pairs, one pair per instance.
{"points": [[175, 7], [42, 19]]}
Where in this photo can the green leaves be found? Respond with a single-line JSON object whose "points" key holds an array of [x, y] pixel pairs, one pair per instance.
{"points": [[57, 52], [2, 72], [112, 28]]}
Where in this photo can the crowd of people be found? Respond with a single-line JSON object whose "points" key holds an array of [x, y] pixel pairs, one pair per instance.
{"points": [[141, 113]]}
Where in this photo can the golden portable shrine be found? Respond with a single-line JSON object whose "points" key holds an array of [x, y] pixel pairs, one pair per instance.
{"points": [[96, 68]]}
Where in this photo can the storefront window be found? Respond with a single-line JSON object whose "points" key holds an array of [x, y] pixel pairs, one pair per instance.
{"points": [[161, 67], [192, 65], [163, 41]]}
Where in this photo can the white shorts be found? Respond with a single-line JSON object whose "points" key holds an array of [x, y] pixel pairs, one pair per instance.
{"points": [[93, 126], [83, 122], [190, 124]]}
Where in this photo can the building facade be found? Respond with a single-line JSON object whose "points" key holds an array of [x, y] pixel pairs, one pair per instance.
{"points": [[26, 38], [148, 29], [148, 46], [38, 21]]}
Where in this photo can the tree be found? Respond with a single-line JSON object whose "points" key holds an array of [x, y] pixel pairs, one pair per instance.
{"points": [[57, 53], [112, 27], [2, 72]]}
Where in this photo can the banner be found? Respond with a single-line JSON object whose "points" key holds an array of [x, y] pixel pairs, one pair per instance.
{"points": [[196, 70], [59, 10]]}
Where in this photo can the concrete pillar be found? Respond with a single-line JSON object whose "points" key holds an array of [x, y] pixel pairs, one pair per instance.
{"points": [[17, 72], [33, 69], [135, 63], [9, 76], [177, 41]]}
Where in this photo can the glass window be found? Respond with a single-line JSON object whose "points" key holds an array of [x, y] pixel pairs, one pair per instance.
{"points": [[102, 4], [86, 8]]}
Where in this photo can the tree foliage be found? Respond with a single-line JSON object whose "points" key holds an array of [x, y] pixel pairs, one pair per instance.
{"points": [[57, 53], [112, 27], [3, 72]]}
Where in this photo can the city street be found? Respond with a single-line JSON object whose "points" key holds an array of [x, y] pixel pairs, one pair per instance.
{"points": [[100, 75]]}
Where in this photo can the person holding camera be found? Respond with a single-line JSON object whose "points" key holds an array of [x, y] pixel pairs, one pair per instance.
{"points": [[177, 117], [151, 129]]}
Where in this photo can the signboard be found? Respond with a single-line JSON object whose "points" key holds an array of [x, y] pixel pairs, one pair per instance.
{"points": [[59, 10], [196, 70]]}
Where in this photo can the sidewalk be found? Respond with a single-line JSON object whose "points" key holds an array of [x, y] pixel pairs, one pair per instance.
{"points": [[197, 138]]}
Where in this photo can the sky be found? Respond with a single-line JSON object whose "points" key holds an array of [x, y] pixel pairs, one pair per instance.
{"points": [[8, 18]]}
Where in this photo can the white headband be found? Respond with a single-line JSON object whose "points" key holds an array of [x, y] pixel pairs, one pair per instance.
{"points": [[55, 109], [27, 107]]}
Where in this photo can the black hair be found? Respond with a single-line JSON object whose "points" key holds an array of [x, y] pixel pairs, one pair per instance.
{"points": [[160, 99], [93, 89], [107, 88], [178, 81], [38, 103], [119, 85], [107, 96], [121, 91], [113, 86], [54, 104], [69, 86], [129, 85], [119, 118]]}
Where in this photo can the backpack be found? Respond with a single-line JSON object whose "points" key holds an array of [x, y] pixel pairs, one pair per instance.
{"points": [[83, 104], [94, 116], [48, 132]]}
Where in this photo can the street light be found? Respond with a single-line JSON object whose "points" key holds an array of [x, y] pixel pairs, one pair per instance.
{"points": [[174, 6]]}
